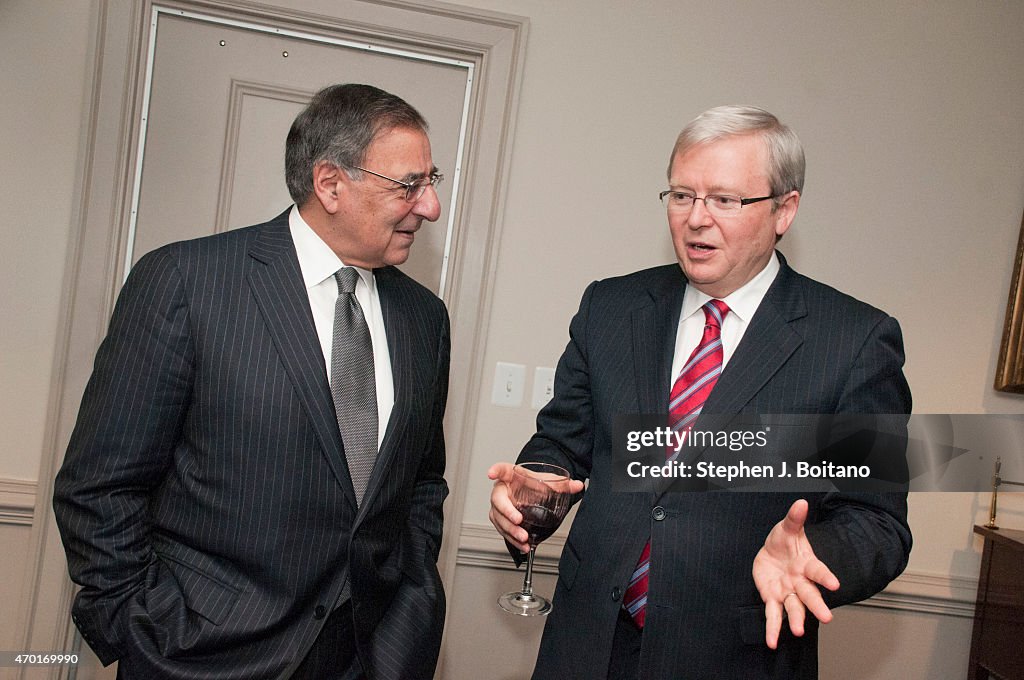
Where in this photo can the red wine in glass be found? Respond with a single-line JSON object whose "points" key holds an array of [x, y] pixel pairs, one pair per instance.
{"points": [[539, 522], [540, 491]]}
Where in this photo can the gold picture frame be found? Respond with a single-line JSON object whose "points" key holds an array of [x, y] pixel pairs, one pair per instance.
{"points": [[1010, 369]]}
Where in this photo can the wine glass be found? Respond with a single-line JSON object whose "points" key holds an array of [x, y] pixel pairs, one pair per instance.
{"points": [[540, 491]]}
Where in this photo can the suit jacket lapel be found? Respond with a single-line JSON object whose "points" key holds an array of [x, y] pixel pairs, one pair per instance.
{"points": [[400, 348], [767, 344], [654, 338], [655, 322], [276, 283]]}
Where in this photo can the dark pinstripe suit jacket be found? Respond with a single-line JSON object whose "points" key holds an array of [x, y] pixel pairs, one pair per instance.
{"points": [[808, 349], [204, 501]]}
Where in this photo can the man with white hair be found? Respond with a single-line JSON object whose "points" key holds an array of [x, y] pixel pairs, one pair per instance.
{"points": [[713, 585]]}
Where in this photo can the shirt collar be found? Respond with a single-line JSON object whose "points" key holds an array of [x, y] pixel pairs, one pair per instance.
{"points": [[743, 301], [316, 259]]}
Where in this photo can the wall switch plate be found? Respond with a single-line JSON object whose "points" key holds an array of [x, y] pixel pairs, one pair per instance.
{"points": [[543, 386], [509, 381]]}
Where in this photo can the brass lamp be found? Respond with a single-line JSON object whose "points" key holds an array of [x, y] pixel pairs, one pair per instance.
{"points": [[997, 481]]}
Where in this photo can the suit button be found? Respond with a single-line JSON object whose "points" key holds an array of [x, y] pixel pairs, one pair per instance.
{"points": [[616, 593], [320, 612], [658, 513]]}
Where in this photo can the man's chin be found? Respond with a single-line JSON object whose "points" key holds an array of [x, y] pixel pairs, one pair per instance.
{"points": [[396, 257], [697, 272], [707, 283]]}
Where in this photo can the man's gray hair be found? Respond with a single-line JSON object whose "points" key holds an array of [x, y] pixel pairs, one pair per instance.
{"points": [[786, 162], [338, 125]]}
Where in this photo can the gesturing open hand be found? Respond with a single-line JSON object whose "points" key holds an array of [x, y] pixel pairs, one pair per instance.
{"points": [[787, 575]]}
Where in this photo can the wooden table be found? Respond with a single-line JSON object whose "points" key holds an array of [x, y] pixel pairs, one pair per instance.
{"points": [[997, 644]]}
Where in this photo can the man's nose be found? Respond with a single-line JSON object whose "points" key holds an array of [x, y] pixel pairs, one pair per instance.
{"points": [[428, 206], [699, 214]]}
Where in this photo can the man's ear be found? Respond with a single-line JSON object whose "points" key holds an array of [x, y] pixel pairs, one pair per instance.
{"points": [[327, 183], [786, 213]]}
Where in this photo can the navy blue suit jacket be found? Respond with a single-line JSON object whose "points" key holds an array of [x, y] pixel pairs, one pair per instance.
{"points": [[808, 350], [204, 501]]}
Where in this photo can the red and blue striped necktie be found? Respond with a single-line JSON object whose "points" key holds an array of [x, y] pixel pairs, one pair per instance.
{"points": [[691, 389]]}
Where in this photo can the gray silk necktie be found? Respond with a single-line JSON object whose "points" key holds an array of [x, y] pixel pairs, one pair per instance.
{"points": [[353, 385]]}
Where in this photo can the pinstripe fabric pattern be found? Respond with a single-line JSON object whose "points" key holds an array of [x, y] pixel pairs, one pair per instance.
{"points": [[808, 349], [689, 392], [204, 502]]}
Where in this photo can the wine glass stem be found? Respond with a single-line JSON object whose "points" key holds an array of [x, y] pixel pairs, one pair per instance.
{"points": [[528, 579]]}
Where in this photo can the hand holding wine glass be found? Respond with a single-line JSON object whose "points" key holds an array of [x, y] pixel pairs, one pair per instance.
{"points": [[503, 514], [542, 494]]}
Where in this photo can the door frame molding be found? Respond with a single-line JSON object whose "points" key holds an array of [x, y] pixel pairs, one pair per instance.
{"points": [[494, 43]]}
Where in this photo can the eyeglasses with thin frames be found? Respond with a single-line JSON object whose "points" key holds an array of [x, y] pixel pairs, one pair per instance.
{"points": [[722, 205], [413, 190]]}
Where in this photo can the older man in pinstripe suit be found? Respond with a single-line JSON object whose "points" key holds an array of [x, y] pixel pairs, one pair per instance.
{"points": [[662, 586], [234, 503]]}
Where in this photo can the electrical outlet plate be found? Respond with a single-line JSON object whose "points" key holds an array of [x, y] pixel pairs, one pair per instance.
{"points": [[543, 386]]}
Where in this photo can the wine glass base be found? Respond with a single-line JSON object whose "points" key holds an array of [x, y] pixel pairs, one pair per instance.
{"points": [[524, 604]]}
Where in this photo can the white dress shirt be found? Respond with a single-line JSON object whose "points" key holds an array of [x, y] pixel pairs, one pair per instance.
{"points": [[318, 264], [743, 302]]}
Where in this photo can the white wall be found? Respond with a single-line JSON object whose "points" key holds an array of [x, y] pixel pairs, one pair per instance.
{"points": [[44, 51], [911, 116], [44, 48]]}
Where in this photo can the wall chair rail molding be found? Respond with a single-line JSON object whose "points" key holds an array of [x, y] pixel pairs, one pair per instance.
{"points": [[17, 501]]}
